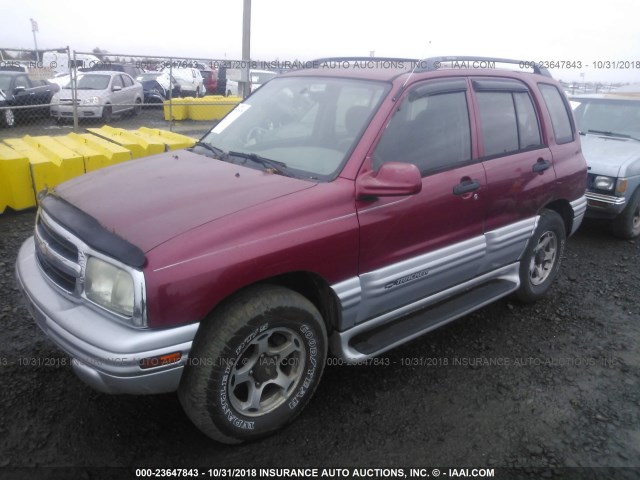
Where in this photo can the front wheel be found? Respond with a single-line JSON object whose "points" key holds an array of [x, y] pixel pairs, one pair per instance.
{"points": [[107, 114], [627, 224], [137, 108], [8, 118], [254, 364], [540, 262]]}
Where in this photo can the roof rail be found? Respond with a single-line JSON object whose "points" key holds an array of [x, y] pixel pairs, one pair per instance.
{"points": [[434, 63]]}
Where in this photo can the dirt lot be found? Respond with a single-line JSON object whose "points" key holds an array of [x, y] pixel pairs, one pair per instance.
{"points": [[546, 386]]}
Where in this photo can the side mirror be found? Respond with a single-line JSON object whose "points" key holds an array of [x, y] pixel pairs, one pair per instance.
{"points": [[393, 179], [19, 90], [116, 88]]}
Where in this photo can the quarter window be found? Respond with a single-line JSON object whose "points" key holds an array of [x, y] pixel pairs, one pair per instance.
{"points": [[560, 118]]}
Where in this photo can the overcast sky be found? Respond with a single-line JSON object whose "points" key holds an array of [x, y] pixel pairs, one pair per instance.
{"points": [[546, 30]]}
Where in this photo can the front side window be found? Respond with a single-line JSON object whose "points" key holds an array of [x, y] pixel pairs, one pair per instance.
{"points": [[430, 129], [309, 125]]}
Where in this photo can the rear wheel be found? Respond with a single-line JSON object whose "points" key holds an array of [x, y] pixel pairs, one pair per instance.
{"points": [[627, 224], [540, 262], [254, 364]]}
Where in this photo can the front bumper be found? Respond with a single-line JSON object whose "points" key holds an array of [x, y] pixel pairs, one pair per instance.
{"points": [[604, 206], [83, 111], [106, 354]]}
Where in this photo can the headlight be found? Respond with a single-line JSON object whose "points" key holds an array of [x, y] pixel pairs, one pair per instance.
{"points": [[91, 101], [603, 183], [109, 286]]}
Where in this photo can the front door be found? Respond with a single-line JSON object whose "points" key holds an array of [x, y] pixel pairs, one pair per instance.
{"points": [[414, 246]]}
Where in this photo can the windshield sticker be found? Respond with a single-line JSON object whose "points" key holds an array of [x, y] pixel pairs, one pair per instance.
{"points": [[231, 117]]}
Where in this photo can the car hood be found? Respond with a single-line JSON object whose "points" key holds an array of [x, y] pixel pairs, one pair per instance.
{"points": [[610, 156], [155, 199]]}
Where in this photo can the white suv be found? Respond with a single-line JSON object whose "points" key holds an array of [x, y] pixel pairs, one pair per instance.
{"points": [[190, 80]]}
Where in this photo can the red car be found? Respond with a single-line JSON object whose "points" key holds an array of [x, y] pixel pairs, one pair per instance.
{"points": [[210, 79], [347, 207]]}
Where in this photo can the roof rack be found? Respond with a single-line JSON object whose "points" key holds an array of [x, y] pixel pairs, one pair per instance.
{"points": [[434, 63]]}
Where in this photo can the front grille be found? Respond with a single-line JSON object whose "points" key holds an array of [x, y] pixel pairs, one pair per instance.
{"points": [[57, 256]]}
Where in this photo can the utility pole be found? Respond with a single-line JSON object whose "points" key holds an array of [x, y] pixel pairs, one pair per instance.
{"points": [[246, 49], [34, 29]]}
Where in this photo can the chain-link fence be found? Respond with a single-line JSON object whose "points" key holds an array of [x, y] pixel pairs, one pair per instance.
{"points": [[57, 91]]}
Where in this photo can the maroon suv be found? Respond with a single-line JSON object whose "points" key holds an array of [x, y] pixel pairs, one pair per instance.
{"points": [[346, 208]]}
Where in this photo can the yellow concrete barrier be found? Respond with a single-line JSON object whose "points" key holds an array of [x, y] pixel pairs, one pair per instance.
{"points": [[139, 147], [16, 188], [51, 162], [31, 164], [96, 152], [212, 107], [177, 109], [171, 140]]}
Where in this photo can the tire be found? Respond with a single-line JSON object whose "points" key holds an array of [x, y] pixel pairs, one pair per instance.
{"points": [[238, 384], [627, 224], [540, 262], [107, 114], [137, 108], [8, 118]]}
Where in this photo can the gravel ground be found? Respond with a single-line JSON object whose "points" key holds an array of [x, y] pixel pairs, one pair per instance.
{"points": [[545, 386]]}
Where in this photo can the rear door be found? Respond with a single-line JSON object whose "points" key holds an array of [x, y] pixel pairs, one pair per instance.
{"points": [[520, 174], [414, 246]]}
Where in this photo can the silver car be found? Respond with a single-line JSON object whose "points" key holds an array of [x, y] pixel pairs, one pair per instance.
{"points": [[610, 127], [99, 95]]}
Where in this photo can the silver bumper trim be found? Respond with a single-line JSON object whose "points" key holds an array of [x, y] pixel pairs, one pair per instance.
{"points": [[106, 354]]}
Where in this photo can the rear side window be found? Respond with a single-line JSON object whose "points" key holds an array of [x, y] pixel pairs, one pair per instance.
{"points": [[560, 118], [508, 122]]}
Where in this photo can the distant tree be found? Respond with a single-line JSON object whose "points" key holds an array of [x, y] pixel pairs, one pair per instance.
{"points": [[99, 53]]}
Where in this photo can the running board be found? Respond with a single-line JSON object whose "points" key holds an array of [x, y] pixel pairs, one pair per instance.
{"points": [[371, 338]]}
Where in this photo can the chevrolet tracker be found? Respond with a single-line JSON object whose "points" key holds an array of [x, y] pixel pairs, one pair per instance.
{"points": [[334, 210]]}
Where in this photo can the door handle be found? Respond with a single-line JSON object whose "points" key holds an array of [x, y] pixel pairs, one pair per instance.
{"points": [[466, 186], [541, 165]]}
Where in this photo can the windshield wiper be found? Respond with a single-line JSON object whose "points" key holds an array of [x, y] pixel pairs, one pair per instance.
{"points": [[273, 165], [218, 152], [613, 134]]}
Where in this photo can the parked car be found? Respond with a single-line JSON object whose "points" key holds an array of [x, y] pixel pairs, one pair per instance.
{"points": [[190, 79], [256, 77], [99, 95], [157, 86], [610, 128], [346, 210], [260, 77], [210, 81], [22, 96]]}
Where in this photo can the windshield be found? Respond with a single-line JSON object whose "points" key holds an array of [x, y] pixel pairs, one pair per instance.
{"points": [[307, 124], [606, 116], [92, 82]]}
